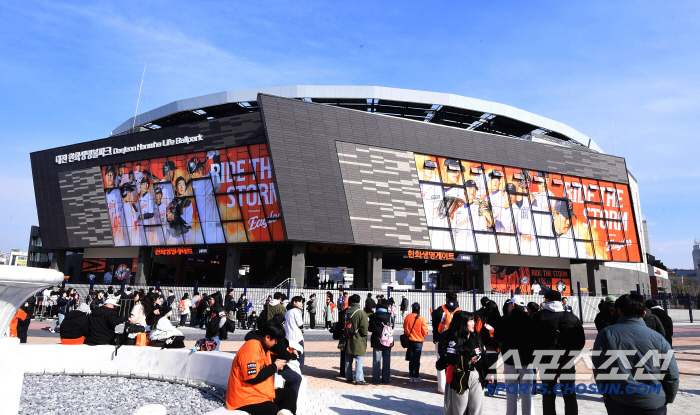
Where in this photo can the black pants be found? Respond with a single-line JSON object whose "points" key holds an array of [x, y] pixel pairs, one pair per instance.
{"points": [[342, 364], [570, 404], [312, 320], [284, 399], [241, 322], [183, 319], [616, 408], [329, 324]]}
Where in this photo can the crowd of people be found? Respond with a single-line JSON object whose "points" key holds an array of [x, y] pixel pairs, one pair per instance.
{"points": [[467, 345]]}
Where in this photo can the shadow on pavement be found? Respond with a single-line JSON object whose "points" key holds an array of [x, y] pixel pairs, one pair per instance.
{"points": [[395, 404]]}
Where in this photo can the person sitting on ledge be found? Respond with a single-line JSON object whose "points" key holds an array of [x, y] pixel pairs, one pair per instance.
{"points": [[76, 326], [102, 323], [251, 386]]}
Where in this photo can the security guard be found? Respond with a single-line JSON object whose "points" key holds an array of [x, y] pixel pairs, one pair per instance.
{"points": [[251, 386]]}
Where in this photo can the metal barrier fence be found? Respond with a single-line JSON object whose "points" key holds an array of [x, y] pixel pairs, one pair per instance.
{"points": [[678, 308]]}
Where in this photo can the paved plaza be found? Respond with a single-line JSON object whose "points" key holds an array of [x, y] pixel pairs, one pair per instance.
{"points": [[330, 394]]}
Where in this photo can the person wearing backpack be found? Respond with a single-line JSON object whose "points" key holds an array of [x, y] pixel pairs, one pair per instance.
{"points": [[355, 332], [441, 317], [184, 308], [382, 340], [415, 327], [555, 329]]}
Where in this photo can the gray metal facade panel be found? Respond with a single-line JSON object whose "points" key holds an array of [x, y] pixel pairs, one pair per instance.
{"points": [[85, 207]]}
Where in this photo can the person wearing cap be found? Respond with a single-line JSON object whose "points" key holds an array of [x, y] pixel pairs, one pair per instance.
{"points": [[131, 209], [481, 218], [514, 332], [453, 171], [416, 328], [441, 318], [148, 215], [76, 326], [561, 217], [204, 185], [555, 329], [539, 202], [502, 213], [103, 322], [666, 321], [122, 176], [607, 315], [522, 215]]}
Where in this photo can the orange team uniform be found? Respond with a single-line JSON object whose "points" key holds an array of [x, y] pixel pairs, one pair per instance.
{"points": [[20, 315], [249, 361], [524, 281]]}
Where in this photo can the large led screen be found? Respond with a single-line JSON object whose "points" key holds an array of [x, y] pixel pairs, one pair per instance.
{"points": [[220, 196], [478, 207]]}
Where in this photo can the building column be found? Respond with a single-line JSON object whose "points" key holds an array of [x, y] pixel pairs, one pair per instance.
{"points": [[233, 264], [298, 262], [483, 279], [375, 268], [58, 260], [143, 267]]}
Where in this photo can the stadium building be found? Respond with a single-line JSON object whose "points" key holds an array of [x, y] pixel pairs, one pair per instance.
{"points": [[267, 184]]}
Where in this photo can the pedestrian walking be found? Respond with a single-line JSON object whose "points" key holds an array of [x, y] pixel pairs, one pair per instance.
{"points": [[230, 304], [370, 304], [216, 318], [415, 328], [328, 312], [184, 308], [607, 315], [403, 307], [382, 341], [241, 313], [393, 311], [294, 325]]}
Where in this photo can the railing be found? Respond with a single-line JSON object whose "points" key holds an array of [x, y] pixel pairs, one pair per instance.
{"points": [[678, 306]]}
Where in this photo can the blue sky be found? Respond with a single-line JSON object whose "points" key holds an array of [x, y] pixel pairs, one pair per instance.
{"points": [[71, 73]]}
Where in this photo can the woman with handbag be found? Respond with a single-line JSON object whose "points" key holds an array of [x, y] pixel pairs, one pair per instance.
{"points": [[414, 328]]}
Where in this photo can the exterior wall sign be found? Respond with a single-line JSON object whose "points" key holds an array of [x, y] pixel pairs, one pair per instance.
{"points": [[420, 254], [110, 151]]}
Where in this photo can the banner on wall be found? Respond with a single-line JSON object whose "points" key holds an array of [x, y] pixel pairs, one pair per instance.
{"points": [[108, 270], [219, 196], [477, 207], [530, 281]]}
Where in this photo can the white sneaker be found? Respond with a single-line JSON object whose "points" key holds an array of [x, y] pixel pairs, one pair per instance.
{"points": [[284, 412], [417, 380], [52, 330], [411, 380]]}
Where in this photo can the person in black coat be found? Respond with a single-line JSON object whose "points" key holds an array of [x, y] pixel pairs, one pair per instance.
{"points": [[102, 323], [23, 325], [76, 325], [607, 315], [666, 321], [241, 314], [514, 333], [216, 318], [555, 329], [370, 304], [230, 304], [381, 354]]}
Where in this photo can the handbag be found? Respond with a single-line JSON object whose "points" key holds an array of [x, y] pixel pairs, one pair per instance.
{"points": [[404, 338]]}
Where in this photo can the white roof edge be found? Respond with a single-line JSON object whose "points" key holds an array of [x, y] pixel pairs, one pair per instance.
{"points": [[370, 92]]}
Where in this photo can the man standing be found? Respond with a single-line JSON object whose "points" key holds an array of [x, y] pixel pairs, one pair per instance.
{"points": [[109, 274], [311, 308], [630, 333], [666, 321], [356, 345], [370, 304], [565, 304], [441, 318], [328, 311], [404, 306], [513, 332], [275, 307], [555, 329], [230, 305]]}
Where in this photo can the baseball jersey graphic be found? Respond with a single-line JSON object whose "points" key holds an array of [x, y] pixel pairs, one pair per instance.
{"points": [[116, 217], [208, 211]]}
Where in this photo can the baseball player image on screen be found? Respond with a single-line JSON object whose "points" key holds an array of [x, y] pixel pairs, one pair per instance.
{"points": [[161, 209], [138, 172], [122, 175], [115, 208], [461, 224], [482, 218], [180, 213], [204, 186], [148, 217], [522, 213], [561, 216], [502, 214], [130, 206]]}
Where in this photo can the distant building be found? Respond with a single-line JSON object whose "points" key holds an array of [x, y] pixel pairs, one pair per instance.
{"points": [[17, 258], [37, 255]]}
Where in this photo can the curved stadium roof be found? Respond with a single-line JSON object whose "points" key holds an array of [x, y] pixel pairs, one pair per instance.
{"points": [[433, 107]]}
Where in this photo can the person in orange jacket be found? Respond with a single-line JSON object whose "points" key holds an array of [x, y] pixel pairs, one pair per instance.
{"points": [[251, 385], [415, 327], [20, 322]]}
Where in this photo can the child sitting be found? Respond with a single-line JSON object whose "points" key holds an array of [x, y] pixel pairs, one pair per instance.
{"points": [[252, 321]]}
